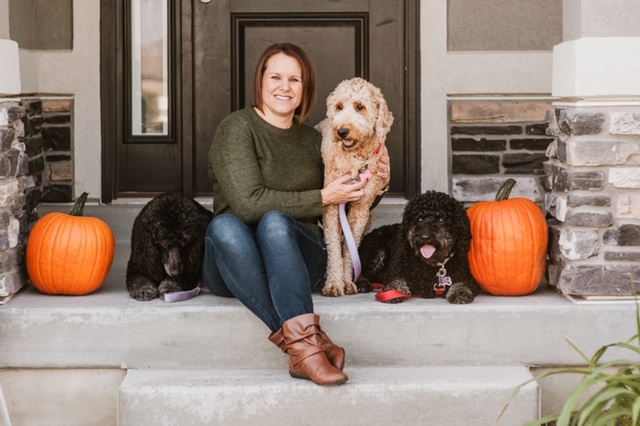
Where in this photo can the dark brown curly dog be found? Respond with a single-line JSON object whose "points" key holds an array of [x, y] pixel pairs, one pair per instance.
{"points": [[167, 247], [425, 255]]}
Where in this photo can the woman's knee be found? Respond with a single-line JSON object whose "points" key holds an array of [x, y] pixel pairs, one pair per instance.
{"points": [[225, 228], [275, 223]]}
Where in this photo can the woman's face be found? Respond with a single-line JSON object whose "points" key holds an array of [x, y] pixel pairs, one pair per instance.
{"points": [[281, 86]]}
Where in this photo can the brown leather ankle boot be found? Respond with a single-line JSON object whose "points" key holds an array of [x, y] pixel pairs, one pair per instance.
{"points": [[307, 357], [277, 338], [335, 354]]}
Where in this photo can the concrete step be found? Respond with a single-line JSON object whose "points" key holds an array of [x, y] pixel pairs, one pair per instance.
{"points": [[373, 396], [108, 329]]}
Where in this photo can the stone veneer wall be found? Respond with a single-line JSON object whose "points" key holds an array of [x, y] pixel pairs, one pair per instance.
{"points": [[35, 166], [493, 139], [15, 181], [48, 129], [594, 179]]}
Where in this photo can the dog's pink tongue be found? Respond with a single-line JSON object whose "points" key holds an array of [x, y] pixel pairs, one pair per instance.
{"points": [[427, 250]]}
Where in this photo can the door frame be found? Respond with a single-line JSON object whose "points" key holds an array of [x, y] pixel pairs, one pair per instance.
{"points": [[112, 76]]}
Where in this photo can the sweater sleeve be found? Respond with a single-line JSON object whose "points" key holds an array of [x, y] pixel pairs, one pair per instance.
{"points": [[235, 170]]}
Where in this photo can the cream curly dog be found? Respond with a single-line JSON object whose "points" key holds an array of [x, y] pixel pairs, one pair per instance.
{"points": [[353, 134]]}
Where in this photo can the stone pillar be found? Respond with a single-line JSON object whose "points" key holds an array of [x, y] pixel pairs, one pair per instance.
{"points": [[14, 181], [594, 164], [13, 175]]}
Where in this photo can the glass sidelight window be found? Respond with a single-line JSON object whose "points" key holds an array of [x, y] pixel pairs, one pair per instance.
{"points": [[149, 95]]}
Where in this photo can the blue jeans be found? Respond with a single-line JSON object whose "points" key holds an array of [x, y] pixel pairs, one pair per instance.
{"points": [[271, 267]]}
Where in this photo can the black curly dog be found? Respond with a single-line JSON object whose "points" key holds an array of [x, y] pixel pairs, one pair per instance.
{"points": [[428, 250], [167, 247]]}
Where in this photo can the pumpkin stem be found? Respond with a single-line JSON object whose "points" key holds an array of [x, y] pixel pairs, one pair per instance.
{"points": [[78, 206], [505, 190]]}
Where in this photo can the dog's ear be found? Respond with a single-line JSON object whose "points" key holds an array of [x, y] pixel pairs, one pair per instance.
{"points": [[323, 126], [333, 99], [330, 103], [384, 119]]}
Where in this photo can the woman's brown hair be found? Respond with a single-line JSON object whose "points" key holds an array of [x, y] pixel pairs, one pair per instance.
{"points": [[308, 77]]}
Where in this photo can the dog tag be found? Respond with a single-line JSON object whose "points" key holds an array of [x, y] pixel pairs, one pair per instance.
{"points": [[443, 283]]}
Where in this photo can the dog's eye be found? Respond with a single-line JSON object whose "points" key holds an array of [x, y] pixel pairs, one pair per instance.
{"points": [[360, 107], [339, 107]]}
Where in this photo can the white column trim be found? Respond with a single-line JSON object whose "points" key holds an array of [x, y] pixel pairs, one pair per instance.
{"points": [[606, 67], [9, 67]]}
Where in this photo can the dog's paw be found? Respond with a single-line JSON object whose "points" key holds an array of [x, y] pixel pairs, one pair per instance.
{"points": [[460, 294], [144, 294], [363, 285], [400, 285], [350, 288], [333, 289]]}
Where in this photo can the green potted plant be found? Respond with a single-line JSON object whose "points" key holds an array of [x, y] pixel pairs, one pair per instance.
{"points": [[611, 390]]}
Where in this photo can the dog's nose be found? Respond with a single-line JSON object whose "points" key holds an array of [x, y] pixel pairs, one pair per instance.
{"points": [[343, 133]]}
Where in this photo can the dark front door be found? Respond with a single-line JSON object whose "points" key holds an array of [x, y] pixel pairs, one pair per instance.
{"points": [[213, 49]]}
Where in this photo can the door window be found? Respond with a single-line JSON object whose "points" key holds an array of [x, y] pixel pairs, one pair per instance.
{"points": [[148, 72]]}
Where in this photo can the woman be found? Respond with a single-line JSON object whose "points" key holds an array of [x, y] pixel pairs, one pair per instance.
{"points": [[264, 245]]}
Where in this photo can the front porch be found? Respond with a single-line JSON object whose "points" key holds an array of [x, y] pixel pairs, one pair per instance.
{"points": [[106, 359]]}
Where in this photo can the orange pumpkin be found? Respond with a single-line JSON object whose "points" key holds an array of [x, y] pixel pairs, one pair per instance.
{"points": [[509, 245], [69, 253]]}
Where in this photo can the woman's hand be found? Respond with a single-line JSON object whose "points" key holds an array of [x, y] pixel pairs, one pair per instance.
{"points": [[342, 190], [382, 171]]}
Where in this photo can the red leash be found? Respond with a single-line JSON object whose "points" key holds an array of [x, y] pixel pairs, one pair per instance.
{"points": [[393, 294], [439, 288], [385, 296]]}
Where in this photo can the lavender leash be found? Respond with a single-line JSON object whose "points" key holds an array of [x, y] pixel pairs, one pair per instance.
{"points": [[351, 242], [365, 175], [179, 296]]}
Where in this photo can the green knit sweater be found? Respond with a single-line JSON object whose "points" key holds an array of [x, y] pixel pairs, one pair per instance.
{"points": [[256, 167]]}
